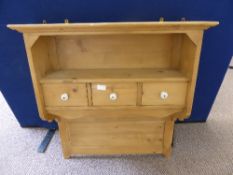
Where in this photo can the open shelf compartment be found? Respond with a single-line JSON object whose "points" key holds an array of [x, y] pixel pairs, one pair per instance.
{"points": [[123, 57]]}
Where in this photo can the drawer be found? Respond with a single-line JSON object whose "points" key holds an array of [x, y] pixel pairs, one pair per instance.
{"points": [[67, 94], [164, 93], [114, 94]]}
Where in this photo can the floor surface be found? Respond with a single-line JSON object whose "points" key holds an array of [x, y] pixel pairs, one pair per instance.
{"points": [[200, 148]]}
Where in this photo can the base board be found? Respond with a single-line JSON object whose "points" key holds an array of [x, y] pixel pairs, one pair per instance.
{"points": [[115, 135]]}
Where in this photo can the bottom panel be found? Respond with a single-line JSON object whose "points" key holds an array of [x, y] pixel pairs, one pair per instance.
{"points": [[115, 135]]}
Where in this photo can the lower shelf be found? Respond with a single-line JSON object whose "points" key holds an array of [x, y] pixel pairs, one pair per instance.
{"points": [[116, 134], [118, 137]]}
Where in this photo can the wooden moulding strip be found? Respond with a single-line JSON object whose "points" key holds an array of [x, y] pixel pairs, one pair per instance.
{"points": [[114, 27], [139, 94], [89, 94], [168, 136]]}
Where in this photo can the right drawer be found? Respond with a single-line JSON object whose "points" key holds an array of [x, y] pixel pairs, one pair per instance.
{"points": [[164, 93]]}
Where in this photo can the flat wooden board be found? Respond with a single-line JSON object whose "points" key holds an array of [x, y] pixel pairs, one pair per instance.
{"points": [[116, 137], [118, 112], [113, 27], [112, 75], [115, 51]]}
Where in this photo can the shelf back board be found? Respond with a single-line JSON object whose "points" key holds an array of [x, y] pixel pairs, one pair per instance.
{"points": [[114, 51]]}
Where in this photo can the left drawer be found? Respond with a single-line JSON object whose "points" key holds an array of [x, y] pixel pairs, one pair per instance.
{"points": [[65, 94]]}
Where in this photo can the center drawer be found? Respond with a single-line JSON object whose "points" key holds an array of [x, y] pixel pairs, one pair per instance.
{"points": [[114, 94]]}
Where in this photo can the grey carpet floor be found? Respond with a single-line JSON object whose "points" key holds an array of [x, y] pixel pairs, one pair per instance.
{"points": [[200, 148]]}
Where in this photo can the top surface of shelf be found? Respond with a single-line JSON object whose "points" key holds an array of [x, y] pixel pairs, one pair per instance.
{"points": [[113, 26], [113, 75]]}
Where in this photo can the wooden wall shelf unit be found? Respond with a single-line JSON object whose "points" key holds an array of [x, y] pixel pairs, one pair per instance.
{"points": [[114, 88]]}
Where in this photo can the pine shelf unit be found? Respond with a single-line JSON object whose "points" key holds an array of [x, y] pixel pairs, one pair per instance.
{"points": [[114, 88]]}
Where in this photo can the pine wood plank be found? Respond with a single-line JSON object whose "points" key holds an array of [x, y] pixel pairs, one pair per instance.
{"points": [[113, 75], [114, 27], [114, 135], [114, 113], [114, 51], [168, 135]]}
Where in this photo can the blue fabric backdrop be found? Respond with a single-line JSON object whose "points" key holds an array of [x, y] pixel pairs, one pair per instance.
{"points": [[15, 80]]}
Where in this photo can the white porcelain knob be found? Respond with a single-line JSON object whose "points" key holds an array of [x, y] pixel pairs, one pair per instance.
{"points": [[113, 96], [64, 97], [163, 95]]}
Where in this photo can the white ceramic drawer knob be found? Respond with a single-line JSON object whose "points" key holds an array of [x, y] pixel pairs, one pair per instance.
{"points": [[163, 95], [113, 96], [64, 97]]}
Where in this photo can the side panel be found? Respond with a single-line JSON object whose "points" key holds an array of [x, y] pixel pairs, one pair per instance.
{"points": [[39, 63]]}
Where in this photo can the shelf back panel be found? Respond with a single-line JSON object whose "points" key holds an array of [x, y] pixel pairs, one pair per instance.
{"points": [[114, 51]]}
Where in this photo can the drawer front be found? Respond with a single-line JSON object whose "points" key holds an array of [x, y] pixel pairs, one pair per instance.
{"points": [[114, 94], [65, 94], [168, 93]]}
